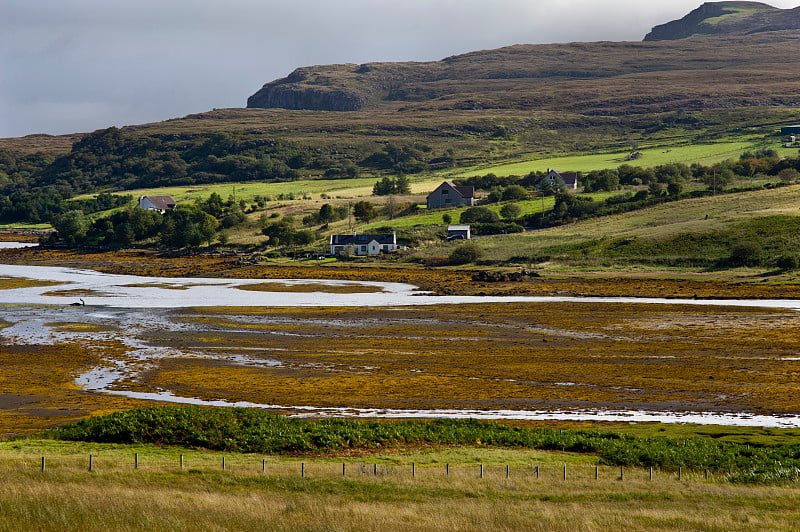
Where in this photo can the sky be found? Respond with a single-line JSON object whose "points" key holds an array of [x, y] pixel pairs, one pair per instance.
{"points": [[79, 65]]}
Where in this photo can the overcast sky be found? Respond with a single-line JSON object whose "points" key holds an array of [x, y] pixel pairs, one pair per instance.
{"points": [[79, 65]]}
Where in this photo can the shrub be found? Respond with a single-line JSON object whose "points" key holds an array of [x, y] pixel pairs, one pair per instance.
{"points": [[465, 253], [479, 215], [745, 253], [788, 262]]}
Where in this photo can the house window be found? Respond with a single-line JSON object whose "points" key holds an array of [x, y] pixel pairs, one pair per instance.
{"points": [[445, 191]]}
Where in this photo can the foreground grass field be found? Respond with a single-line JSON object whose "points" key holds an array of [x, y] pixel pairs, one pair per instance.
{"points": [[376, 493]]}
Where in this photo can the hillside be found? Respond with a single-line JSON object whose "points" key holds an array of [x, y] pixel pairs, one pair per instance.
{"points": [[728, 18]]}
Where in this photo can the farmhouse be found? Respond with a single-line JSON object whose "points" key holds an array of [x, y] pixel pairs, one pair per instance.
{"points": [[458, 232], [363, 244], [449, 195], [558, 179], [161, 204]]}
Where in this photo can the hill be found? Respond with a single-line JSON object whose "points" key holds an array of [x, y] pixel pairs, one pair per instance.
{"points": [[728, 18]]}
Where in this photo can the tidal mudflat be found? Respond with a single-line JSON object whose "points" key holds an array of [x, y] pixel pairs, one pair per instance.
{"points": [[504, 358]]}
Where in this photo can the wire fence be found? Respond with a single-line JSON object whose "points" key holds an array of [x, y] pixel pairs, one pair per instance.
{"points": [[352, 469]]}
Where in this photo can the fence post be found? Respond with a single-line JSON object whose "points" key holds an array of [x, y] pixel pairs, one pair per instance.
{"points": [[223, 462], [596, 472], [302, 469], [481, 470], [621, 473], [181, 461], [43, 466], [136, 460], [263, 465], [651, 472], [375, 469], [91, 463], [508, 471], [565, 472], [413, 469], [680, 471], [537, 471], [344, 469], [447, 469]]}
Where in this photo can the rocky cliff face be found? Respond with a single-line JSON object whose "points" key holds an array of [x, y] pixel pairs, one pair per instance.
{"points": [[727, 18], [312, 88]]}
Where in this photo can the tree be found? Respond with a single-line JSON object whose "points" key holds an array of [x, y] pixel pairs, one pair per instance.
{"points": [[364, 211], [72, 226], [515, 193], [510, 211], [447, 219], [479, 215], [390, 207], [326, 213]]}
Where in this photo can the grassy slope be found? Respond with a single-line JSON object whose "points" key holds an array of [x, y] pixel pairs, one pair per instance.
{"points": [[658, 222]]}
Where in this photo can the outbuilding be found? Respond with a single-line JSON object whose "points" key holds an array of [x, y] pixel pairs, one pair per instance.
{"points": [[458, 232]]}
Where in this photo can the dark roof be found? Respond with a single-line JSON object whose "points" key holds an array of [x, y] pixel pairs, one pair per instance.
{"points": [[463, 190], [161, 202], [568, 178], [348, 240]]}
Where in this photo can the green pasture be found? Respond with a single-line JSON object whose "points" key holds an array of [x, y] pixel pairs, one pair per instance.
{"points": [[695, 153], [659, 222], [344, 188], [434, 217]]}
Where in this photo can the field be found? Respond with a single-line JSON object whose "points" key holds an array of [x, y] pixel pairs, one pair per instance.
{"points": [[161, 496], [652, 156]]}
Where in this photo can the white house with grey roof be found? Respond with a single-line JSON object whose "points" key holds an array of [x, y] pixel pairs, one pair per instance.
{"points": [[161, 204], [363, 245]]}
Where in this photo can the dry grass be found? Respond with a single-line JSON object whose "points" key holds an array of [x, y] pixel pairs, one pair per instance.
{"points": [[157, 497]]}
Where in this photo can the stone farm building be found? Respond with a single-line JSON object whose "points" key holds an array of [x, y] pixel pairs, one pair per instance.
{"points": [[449, 195], [161, 204], [558, 179], [363, 244]]}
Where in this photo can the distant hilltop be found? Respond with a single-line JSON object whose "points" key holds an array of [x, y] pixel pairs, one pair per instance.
{"points": [[726, 36], [728, 18]]}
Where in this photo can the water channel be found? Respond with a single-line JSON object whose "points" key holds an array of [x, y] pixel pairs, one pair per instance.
{"points": [[134, 304]]}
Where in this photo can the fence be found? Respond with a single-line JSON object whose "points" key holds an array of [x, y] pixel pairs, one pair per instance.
{"points": [[327, 469]]}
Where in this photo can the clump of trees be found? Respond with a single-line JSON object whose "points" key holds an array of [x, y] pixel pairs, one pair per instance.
{"points": [[389, 186]]}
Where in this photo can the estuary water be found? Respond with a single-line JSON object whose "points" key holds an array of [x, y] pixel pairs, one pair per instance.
{"points": [[135, 305], [132, 291]]}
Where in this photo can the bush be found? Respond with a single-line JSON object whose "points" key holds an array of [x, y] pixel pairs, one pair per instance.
{"points": [[746, 253], [479, 215], [466, 253], [788, 262]]}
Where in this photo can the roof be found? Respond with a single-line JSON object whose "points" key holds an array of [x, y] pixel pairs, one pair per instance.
{"points": [[568, 178], [160, 202], [352, 240], [458, 227], [463, 190]]}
